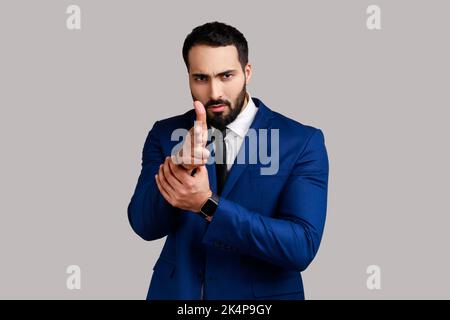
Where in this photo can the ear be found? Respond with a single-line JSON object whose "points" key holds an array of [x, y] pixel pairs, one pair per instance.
{"points": [[248, 73]]}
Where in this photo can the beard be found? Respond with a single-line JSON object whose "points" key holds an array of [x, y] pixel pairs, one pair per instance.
{"points": [[219, 120]]}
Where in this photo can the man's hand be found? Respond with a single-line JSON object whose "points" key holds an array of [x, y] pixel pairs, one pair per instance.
{"points": [[181, 189], [194, 152]]}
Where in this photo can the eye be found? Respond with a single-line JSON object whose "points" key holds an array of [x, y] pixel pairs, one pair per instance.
{"points": [[227, 75], [199, 78]]}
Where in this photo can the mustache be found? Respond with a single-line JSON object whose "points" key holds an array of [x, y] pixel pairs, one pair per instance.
{"points": [[216, 102]]}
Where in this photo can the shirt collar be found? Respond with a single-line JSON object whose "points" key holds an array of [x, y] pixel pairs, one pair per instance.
{"points": [[244, 120]]}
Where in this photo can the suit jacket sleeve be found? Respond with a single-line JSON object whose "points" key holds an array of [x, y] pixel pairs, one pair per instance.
{"points": [[291, 238], [150, 216]]}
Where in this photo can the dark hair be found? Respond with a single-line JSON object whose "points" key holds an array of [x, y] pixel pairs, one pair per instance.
{"points": [[216, 34]]}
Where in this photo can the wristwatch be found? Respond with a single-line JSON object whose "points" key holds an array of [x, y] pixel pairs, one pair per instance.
{"points": [[209, 207]]}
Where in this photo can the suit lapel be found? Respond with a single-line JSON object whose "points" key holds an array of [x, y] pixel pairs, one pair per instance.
{"points": [[212, 176], [261, 121]]}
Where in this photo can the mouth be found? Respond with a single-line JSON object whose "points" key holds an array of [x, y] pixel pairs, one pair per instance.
{"points": [[218, 107]]}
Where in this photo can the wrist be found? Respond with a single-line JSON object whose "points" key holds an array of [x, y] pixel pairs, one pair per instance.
{"points": [[210, 206], [205, 198]]}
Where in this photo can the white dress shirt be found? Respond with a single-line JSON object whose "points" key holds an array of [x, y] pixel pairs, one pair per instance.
{"points": [[237, 131]]}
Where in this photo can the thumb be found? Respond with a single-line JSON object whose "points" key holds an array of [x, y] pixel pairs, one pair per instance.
{"points": [[200, 112], [201, 169]]}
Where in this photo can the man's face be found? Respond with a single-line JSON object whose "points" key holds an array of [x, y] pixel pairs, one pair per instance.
{"points": [[217, 80]]}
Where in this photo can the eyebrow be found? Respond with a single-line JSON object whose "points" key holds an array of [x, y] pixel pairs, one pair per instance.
{"points": [[219, 74]]}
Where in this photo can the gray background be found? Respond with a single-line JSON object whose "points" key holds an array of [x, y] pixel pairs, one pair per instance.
{"points": [[76, 107]]}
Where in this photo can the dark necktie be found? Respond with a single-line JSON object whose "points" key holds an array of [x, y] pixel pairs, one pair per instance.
{"points": [[221, 165]]}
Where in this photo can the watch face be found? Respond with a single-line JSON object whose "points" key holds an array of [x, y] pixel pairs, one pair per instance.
{"points": [[209, 207]]}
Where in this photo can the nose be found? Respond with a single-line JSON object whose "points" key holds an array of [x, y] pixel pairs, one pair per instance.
{"points": [[216, 90]]}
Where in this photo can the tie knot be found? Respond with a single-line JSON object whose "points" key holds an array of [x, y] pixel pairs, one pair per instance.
{"points": [[224, 133], [215, 137]]}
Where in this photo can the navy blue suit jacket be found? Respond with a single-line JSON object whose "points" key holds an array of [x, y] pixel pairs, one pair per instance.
{"points": [[266, 229]]}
